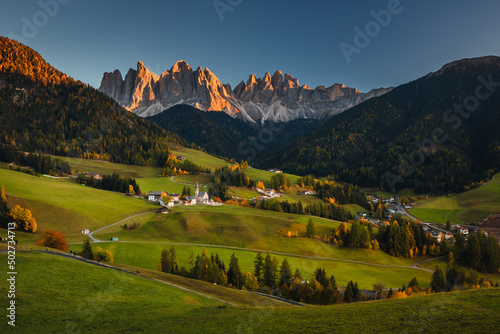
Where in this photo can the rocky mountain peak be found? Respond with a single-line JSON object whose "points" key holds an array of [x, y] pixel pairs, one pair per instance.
{"points": [[278, 98]]}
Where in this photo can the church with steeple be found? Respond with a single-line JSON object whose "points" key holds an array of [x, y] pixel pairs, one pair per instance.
{"points": [[201, 196]]}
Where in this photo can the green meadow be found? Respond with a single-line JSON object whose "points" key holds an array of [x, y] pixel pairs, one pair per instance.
{"points": [[147, 255], [51, 298], [467, 207], [68, 207]]}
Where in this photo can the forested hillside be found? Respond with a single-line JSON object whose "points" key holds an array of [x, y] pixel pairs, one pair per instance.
{"points": [[42, 110], [222, 135], [436, 134]]}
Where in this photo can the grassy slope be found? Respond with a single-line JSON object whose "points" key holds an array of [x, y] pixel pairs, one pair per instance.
{"points": [[52, 292], [147, 256], [467, 207], [101, 301], [243, 228], [260, 175], [66, 206], [198, 157]]}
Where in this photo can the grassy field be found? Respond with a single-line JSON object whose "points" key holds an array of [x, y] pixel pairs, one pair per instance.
{"points": [[66, 206], [99, 300], [163, 184], [193, 178], [467, 207], [104, 167], [52, 292], [244, 228], [147, 256], [261, 175], [354, 209], [198, 157]]}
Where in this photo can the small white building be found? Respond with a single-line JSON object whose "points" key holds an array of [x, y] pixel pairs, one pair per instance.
{"points": [[464, 230], [85, 231], [190, 201], [154, 196], [174, 197]]}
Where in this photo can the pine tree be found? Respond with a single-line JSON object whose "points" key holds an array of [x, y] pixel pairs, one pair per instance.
{"points": [[258, 267], [285, 273], [87, 250], [310, 228], [234, 275], [333, 282], [438, 280], [349, 294], [268, 269]]}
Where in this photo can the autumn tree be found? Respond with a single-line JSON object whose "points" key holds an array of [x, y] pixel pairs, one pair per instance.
{"points": [[103, 255], [23, 219], [131, 189], [53, 239], [168, 261], [250, 282]]}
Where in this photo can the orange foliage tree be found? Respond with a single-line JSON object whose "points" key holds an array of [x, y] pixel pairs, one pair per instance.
{"points": [[53, 239]]}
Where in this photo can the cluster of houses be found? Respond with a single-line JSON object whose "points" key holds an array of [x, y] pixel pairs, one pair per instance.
{"points": [[199, 197]]}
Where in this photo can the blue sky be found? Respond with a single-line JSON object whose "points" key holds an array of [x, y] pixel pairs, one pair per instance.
{"points": [[303, 38]]}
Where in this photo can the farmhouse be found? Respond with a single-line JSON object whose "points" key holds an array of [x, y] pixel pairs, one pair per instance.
{"points": [[190, 201], [174, 197], [275, 170], [463, 230], [154, 196]]}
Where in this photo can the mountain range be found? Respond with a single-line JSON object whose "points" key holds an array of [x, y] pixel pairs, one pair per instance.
{"points": [[276, 98]]}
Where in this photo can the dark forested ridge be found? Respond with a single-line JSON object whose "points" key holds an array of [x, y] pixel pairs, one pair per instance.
{"points": [[225, 136], [43, 110], [436, 134]]}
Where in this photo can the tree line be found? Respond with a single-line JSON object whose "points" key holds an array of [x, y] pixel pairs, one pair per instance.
{"points": [[226, 177], [112, 182], [39, 163]]}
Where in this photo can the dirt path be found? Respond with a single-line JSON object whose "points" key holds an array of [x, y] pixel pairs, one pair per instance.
{"points": [[91, 234], [435, 258]]}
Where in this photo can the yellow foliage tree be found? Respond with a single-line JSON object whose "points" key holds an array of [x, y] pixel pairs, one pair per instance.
{"points": [[131, 189], [23, 219]]}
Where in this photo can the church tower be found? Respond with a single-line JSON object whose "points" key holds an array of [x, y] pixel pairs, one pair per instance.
{"points": [[196, 190]]}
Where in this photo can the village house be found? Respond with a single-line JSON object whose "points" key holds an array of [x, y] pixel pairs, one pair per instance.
{"points": [[272, 193], [155, 196], [274, 170], [180, 157], [190, 201], [174, 197], [463, 230]]}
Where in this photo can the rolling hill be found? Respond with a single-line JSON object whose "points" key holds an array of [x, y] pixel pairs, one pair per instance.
{"points": [[78, 296]]}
